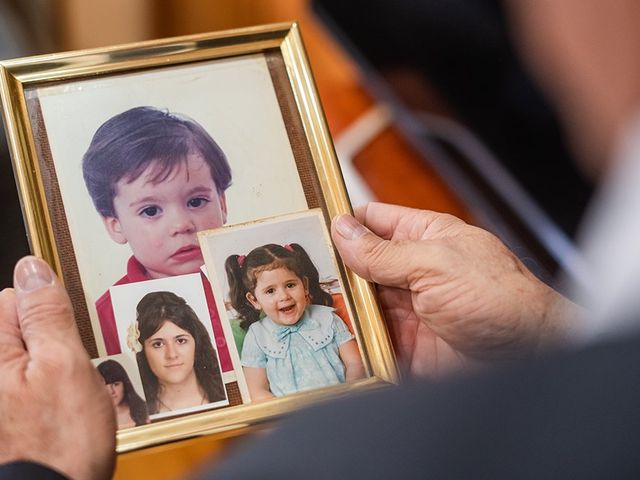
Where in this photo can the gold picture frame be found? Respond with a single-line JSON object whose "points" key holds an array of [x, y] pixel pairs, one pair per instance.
{"points": [[254, 89]]}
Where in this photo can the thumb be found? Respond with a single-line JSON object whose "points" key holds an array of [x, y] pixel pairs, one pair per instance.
{"points": [[386, 262], [44, 310]]}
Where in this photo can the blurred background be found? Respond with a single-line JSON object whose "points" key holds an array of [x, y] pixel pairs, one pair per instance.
{"points": [[426, 100]]}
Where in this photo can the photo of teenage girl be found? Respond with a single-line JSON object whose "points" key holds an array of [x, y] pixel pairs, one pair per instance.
{"points": [[131, 409], [177, 362], [294, 340]]}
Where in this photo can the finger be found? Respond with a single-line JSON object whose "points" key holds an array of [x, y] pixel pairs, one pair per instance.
{"points": [[397, 308], [44, 310], [385, 220], [382, 261], [11, 345]]}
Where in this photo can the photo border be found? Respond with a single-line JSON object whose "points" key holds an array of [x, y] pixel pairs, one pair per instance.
{"points": [[317, 164], [207, 237], [235, 388]]}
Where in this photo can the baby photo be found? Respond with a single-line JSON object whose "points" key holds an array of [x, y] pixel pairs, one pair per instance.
{"points": [[160, 326], [122, 380], [181, 189], [145, 161], [280, 292]]}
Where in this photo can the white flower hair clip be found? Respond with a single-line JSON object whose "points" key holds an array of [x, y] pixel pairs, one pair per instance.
{"points": [[133, 335]]}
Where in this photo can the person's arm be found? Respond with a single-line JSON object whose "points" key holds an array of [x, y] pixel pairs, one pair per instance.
{"points": [[254, 363], [56, 410], [257, 383], [350, 356], [450, 291]]}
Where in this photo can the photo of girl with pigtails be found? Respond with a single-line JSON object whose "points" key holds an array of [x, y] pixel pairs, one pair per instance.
{"points": [[284, 304]]}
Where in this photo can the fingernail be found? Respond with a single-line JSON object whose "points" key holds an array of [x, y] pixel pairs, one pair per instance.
{"points": [[349, 228], [32, 273]]}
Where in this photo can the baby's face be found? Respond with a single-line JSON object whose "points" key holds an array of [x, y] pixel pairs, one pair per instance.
{"points": [[281, 294], [160, 221]]}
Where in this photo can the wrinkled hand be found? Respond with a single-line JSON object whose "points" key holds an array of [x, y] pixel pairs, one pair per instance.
{"points": [[55, 409], [450, 291]]}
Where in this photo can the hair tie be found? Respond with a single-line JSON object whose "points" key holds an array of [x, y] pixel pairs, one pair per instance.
{"points": [[288, 247], [241, 259], [133, 336]]}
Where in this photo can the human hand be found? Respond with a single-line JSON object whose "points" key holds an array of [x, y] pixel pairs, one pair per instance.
{"points": [[55, 409], [450, 291]]}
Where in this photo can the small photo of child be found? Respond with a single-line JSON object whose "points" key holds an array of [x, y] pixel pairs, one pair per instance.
{"points": [[283, 299], [161, 326]]}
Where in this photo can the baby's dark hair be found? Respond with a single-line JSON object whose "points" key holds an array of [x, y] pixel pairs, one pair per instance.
{"points": [[153, 310], [112, 372], [242, 274], [126, 144]]}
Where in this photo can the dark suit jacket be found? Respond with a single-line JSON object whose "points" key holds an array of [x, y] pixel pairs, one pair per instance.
{"points": [[576, 415], [28, 470]]}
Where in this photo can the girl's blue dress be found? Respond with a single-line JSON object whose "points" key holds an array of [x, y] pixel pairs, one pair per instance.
{"points": [[301, 356]]}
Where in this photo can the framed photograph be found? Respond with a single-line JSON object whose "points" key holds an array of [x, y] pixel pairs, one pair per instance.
{"points": [[123, 154]]}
